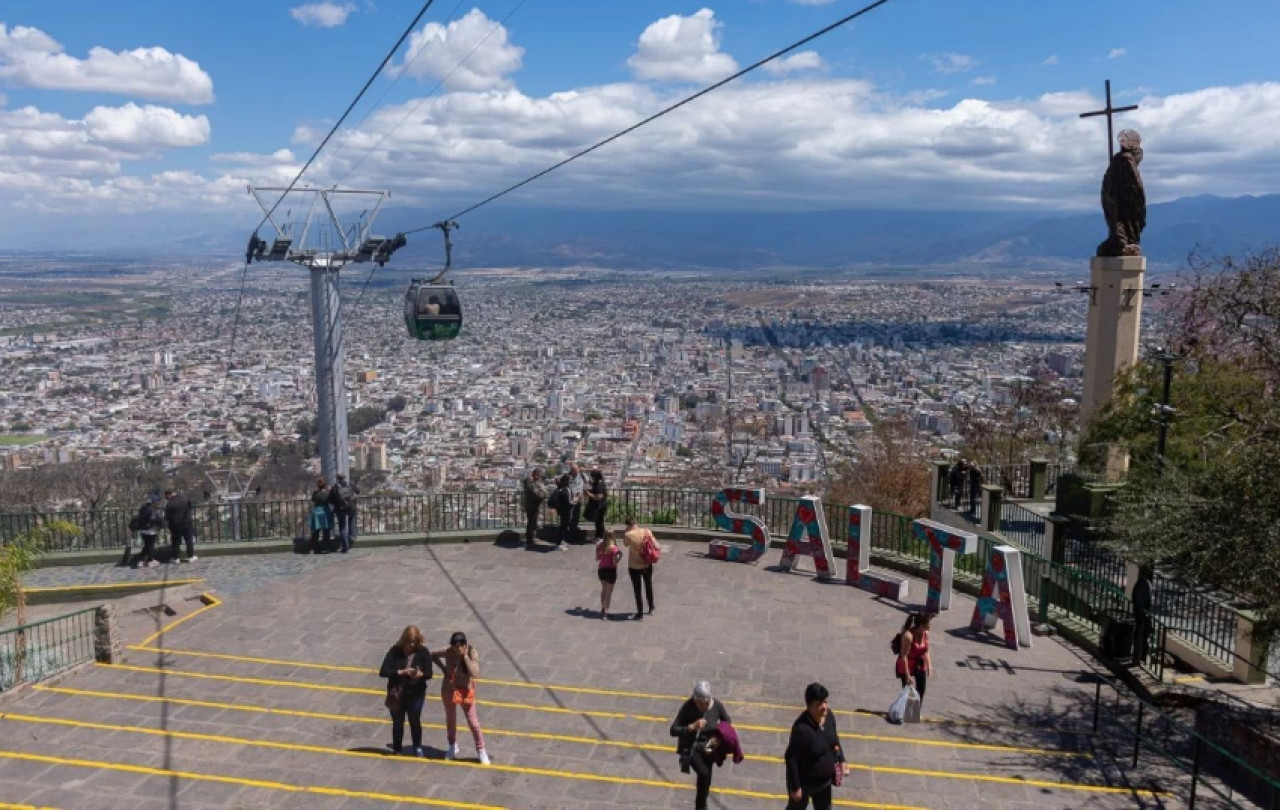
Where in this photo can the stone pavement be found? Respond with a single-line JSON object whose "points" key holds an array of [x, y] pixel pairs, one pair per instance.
{"points": [[283, 708]]}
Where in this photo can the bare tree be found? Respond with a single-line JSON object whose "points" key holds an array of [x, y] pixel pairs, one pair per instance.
{"points": [[890, 476]]}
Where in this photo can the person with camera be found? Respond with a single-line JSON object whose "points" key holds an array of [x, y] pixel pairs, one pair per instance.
{"points": [[697, 718], [407, 668], [815, 760], [461, 666]]}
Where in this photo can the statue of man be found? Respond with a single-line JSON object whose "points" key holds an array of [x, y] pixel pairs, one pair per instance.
{"points": [[1124, 203]]}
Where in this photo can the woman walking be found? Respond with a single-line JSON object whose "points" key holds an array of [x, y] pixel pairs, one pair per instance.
{"points": [[407, 668], [321, 520], [639, 563], [915, 665], [814, 758], [608, 555], [597, 502], [460, 664], [697, 719]]}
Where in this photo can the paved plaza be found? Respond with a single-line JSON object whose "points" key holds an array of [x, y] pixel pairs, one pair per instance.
{"points": [[269, 697]]}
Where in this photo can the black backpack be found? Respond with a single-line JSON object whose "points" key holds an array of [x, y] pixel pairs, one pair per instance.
{"points": [[134, 524], [896, 644], [559, 499]]}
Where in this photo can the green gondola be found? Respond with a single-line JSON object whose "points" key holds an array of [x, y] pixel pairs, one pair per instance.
{"points": [[432, 311]]}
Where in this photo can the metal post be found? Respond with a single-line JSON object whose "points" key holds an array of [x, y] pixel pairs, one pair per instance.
{"points": [[331, 395], [1195, 775], [1137, 734]]}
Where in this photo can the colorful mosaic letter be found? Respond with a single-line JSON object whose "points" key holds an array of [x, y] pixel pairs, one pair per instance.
{"points": [[857, 572], [944, 543], [1003, 596], [730, 521], [808, 536]]}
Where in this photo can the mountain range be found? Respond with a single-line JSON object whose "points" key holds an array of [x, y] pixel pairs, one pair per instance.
{"points": [[504, 235]]}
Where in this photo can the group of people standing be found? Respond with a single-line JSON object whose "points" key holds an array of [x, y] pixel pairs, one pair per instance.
{"points": [[643, 553], [332, 508], [574, 496], [408, 665], [174, 512], [965, 476]]}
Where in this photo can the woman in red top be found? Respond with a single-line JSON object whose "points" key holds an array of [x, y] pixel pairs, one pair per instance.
{"points": [[914, 663], [607, 557]]}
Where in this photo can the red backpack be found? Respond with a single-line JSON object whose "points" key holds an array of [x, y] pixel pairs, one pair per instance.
{"points": [[650, 551]]}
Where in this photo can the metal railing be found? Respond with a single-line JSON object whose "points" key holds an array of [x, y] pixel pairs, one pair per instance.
{"points": [[1022, 526], [1197, 614], [1084, 552], [1188, 756], [32, 652], [1015, 478]]}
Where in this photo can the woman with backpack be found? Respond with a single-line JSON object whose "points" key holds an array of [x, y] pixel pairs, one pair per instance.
{"points": [[321, 520], [461, 666], [147, 523], [407, 668], [914, 665], [642, 553]]}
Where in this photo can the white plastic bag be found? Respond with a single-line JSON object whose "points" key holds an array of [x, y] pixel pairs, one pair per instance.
{"points": [[912, 714], [898, 709]]}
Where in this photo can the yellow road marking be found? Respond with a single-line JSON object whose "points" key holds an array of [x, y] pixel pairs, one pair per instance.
{"points": [[212, 603], [316, 749], [247, 707], [4, 806], [155, 583], [352, 690], [235, 780]]}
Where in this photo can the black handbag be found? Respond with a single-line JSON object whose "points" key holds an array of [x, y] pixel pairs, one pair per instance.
{"points": [[395, 695]]}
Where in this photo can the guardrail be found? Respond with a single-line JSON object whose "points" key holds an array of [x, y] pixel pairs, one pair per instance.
{"points": [[32, 652], [1022, 526]]}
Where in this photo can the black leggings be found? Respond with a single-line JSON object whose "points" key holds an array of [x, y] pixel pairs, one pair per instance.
{"points": [[702, 768], [645, 574], [821, 799], [411, 708], [148, 549], [922, 680]]}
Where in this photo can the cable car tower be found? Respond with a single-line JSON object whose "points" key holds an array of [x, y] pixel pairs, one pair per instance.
{"points": [[324, 247]]}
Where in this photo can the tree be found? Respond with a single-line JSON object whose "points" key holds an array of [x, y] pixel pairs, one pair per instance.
{"points": [[890, 476], [1036, 418], [397, 403], [1210, 511], [18, 556]]}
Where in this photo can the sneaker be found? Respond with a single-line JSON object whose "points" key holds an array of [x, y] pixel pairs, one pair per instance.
{"points": [[191, 559], [452, 753], [652, 610], [563, 546], [153, 564], [484, 758], [418, 752], [639, 616]]}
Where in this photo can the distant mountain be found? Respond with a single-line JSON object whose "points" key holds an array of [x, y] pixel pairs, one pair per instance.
{"points": [[501, 235]]}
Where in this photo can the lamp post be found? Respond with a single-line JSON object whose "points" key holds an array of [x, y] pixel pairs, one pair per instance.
{"points": [[1165, 411]]}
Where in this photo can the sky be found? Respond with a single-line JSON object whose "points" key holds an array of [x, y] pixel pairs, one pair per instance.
{"points": [[166, 111]]}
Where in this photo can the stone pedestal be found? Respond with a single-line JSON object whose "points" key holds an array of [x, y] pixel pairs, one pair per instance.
{"points": [[107, 646], [1115, 321]]}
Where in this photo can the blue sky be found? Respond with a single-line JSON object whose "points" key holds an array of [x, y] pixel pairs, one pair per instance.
{"points": [[923, 103]]}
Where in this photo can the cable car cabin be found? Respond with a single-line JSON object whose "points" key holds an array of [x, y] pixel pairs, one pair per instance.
{"points": [[432, 311]]}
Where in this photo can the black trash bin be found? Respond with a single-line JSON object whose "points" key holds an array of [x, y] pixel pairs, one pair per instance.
{"points": [[1117, 635]]}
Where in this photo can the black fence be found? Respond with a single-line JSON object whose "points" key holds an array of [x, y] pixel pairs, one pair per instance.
{"points": [[35, 651]]}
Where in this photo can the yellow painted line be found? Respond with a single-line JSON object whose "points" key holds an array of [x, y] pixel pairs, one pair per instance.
{"points": [[1188, 679], [157, 584], [212, 603], [352, 690], [348, 718], [234, 780], [316, 749], [4, 806]]}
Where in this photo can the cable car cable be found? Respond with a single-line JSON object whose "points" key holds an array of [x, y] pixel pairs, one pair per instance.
{"points": [[704, 91]]}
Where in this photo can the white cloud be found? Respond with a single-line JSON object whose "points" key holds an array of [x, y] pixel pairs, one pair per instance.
{"points": [[470, 53], [1116, 53], [31, 58], [144, 128], [1050, 60], [949, 62], [804, 60], [682, 49], [811, 142], [983, 80], [323, 15]]}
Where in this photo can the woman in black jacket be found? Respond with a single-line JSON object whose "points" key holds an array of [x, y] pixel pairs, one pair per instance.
{"points": [[407, 668], [598, 503], [813, 753], [697, 718]]}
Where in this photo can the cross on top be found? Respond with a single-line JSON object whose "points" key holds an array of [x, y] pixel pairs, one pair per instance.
{"points": [[1109, 111]]}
